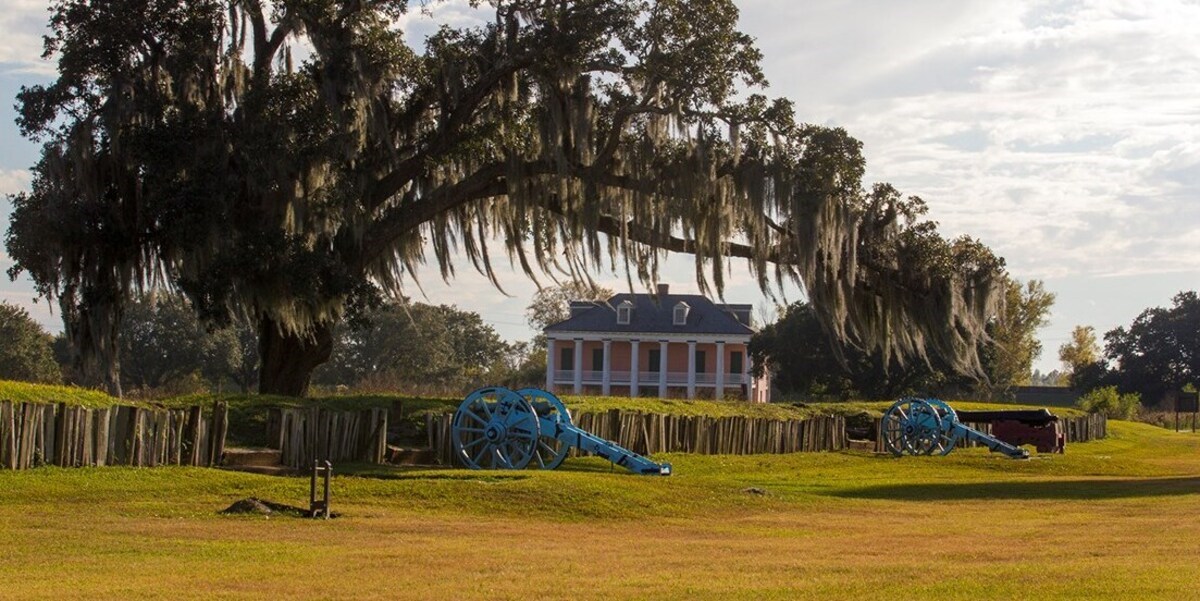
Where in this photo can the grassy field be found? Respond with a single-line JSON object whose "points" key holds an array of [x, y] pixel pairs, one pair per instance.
{"points": [[1112, 519]]}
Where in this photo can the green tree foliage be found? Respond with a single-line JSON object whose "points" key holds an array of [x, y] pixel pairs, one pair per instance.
{"points": [[25, 353], [1159, 351], [1014, 345], [415, 345], [233, 356], [1081, 350], [192, 142], [161, 342], [804, 361], [1111, 403], [166, 348], [552, 304], [1082, 357]]}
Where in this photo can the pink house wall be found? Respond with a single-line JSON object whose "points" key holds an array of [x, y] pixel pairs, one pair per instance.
{"points": [[677, 356], [621, 354], [677, 359]]}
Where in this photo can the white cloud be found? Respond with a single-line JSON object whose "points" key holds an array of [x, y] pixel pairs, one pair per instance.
{"points": [[1063, 134], [23, 23], [13, 181]]}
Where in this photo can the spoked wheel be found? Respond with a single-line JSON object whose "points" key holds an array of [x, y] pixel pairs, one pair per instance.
{"points": [[946, 419], [913, 427], [925, 432], [495, 428], [550, 451]]}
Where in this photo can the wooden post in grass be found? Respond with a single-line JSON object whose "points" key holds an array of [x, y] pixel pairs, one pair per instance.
{"points": [[8, 435], [192, 435], [221, 427]]}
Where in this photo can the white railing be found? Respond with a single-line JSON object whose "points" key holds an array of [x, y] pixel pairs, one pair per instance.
{"points": [[646, 378]]}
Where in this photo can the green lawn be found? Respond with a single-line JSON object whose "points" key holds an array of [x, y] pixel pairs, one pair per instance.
{"points": [[1111, 519]]}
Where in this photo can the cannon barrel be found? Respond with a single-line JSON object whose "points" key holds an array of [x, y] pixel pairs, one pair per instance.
{"points": [[1032, 417]]}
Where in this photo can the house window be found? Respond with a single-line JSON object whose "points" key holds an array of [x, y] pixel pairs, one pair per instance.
{"points": [[655, 361], [735, 362], [681, 313], [566, 359], [624, 312], [597, 359], [700, 361]]}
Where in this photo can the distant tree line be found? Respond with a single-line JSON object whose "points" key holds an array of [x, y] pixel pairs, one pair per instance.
{"points": [[1157, 354], [166, 349]]}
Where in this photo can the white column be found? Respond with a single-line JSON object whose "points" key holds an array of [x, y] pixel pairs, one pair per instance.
{"points": [[550, 365], [691, 389], [578, 366], [633, 368], [606, 375], [662, 369], [751, 391], [720, 392]]}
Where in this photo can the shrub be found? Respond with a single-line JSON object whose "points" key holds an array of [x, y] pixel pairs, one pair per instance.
{"points": [[25, 352], [1111, 403]]}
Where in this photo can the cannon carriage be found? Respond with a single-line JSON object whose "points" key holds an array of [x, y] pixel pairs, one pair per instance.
{"points": [[498, 428], [914, 426]]}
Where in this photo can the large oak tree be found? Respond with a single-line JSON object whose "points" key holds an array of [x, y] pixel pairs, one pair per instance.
{"points": [[287, 160]]}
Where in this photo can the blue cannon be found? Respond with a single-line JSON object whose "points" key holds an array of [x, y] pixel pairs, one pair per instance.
{"points": [[498, 428], [930, 426]]}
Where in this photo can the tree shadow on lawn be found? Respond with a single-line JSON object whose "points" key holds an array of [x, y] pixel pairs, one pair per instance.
{"points": [[1024, 490]]}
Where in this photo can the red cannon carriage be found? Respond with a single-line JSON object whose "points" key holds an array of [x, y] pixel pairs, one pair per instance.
{"points": [[1037, 427]]}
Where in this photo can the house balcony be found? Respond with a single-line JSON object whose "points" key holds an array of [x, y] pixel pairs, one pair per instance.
{"points": [[647, 378]]}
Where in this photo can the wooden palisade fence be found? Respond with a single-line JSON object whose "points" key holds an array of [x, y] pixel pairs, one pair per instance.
{"points": [[36, 434], [314, 434], [655, 433]]}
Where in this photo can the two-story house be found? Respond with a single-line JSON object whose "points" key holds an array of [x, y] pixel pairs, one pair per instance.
{"points": [[681, 345]]}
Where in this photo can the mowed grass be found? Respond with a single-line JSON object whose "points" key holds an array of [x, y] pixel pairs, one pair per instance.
{"points": [[1110, 519]]}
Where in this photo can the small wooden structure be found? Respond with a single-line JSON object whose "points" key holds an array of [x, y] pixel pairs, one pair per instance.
{"points": [[319, 507], [1187, 402]]}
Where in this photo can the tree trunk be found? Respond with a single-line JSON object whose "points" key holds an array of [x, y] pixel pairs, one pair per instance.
{"points": [[288, 360], [92, 328]]}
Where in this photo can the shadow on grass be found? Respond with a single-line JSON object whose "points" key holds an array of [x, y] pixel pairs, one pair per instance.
{"points": [[1057, 489], [414, 472]]}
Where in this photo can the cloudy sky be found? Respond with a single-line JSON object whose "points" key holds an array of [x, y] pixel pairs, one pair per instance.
{"points": [[1063, 134]]}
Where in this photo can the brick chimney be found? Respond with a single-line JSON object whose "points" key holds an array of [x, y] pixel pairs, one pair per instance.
{"points": [[663, 289]]}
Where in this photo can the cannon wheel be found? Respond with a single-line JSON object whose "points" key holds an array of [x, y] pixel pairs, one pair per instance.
{"points": [[893, 425], [550, 451], [495, 428], [946, 440], [924, 430], [911, 426]]}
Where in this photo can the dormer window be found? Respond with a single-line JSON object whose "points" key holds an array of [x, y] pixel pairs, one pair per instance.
{"points": [[624, 312], [681, 313]]}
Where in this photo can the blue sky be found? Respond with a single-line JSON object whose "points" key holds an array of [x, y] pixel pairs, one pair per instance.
{"points": [[1063, 134]]}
